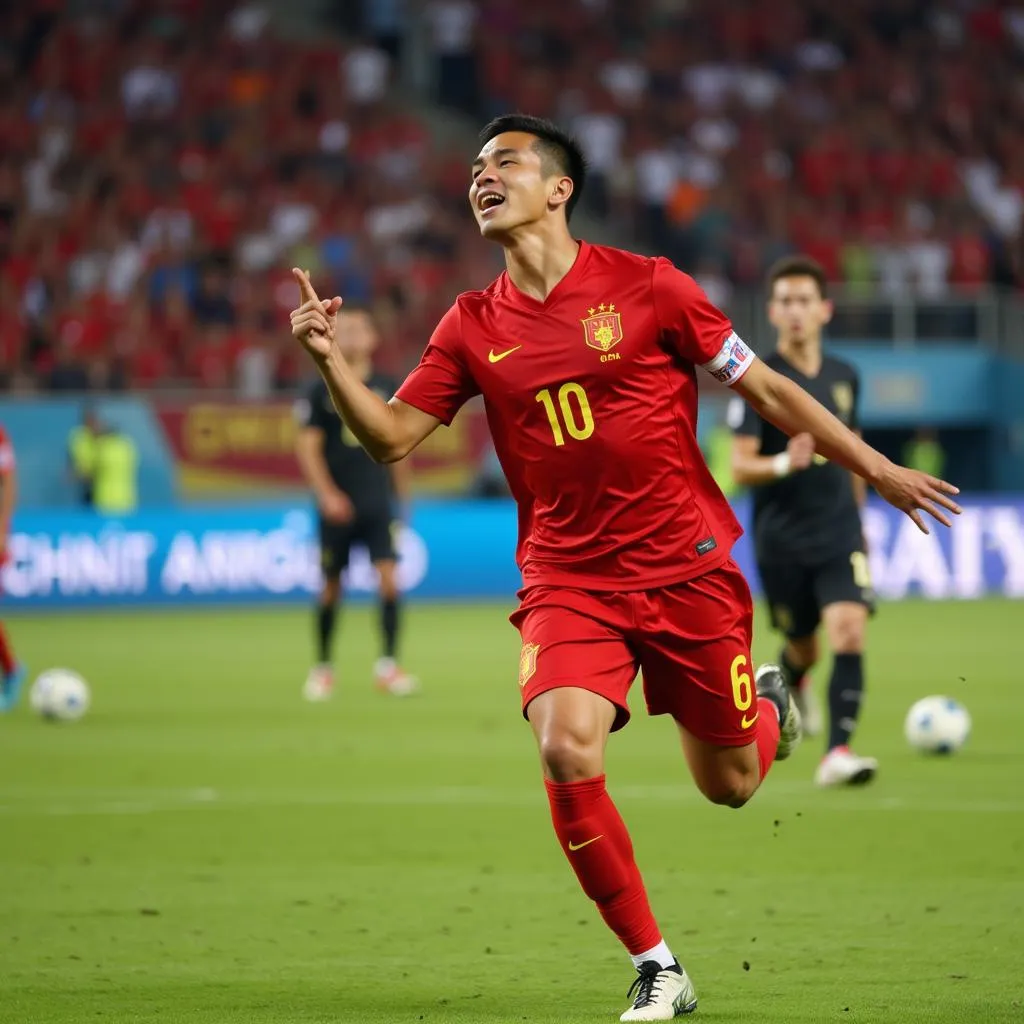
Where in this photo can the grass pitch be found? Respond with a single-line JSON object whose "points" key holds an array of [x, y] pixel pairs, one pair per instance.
{"points": [[205, 847]]}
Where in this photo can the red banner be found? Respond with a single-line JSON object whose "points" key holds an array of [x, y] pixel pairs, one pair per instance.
{"points": [[226, 446]]}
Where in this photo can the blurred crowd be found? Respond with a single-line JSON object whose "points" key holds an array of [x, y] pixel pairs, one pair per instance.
{"points": [[163, 163], [884, 137]]}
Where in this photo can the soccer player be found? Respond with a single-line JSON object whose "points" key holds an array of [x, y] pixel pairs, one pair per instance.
{"points": [[356, 499], [586, 359], [12, 673], [807, 530]]}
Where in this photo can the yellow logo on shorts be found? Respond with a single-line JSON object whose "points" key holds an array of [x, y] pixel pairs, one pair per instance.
{"points": [[783, 618], [527, 662]]}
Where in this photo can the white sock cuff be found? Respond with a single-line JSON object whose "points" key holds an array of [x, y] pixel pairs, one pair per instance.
{"points": [[660, 953]]}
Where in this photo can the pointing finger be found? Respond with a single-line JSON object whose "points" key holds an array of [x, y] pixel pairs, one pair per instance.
{"points": [[305, 285]]}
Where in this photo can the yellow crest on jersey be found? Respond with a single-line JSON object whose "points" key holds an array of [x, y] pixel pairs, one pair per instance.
{"points": [[602, 327], [527, 662], [842, 395]]}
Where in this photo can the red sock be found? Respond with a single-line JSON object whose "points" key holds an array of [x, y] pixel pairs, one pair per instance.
{"points": [[767, 733], [7, 661], [594, 838]]}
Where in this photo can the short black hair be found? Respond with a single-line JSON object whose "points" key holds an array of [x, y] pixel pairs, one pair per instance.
{"points": [[798, 266], [559, 151]]}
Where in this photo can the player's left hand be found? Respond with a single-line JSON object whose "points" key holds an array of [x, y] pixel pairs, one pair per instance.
{"points": [[914, 492]]}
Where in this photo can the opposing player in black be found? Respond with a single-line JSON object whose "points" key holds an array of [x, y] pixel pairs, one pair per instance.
{"points": [[357, 500], [807, 530]]}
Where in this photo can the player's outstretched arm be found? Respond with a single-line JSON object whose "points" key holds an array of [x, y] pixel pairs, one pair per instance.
{"points": [[387, 430], [784, 403]]}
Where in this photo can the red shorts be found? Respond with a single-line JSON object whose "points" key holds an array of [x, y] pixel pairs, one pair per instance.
{"points": [[691, 641]]}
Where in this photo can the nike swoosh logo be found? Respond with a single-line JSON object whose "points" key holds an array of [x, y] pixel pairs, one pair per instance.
{"points": [[497, 358], [746, 723], [579, 846]]}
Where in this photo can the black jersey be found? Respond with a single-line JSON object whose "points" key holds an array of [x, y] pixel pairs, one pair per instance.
{"points": [[812, 514], [367, 483]]}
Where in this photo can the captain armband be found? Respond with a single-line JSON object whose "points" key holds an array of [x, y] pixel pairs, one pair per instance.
{"points": [[733, 360]]}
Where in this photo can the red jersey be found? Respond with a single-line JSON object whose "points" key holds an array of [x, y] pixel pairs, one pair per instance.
{"points": [[591, 398]]}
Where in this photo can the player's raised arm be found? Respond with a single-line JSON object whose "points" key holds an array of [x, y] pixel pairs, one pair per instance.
{"points": [[387, 430], [784, 403]]}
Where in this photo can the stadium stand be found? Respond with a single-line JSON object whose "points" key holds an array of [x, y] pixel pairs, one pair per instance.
{"points": [[163, 164]]}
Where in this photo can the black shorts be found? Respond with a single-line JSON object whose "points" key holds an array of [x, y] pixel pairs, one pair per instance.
{"points": [[796, 594], [336, 540]]}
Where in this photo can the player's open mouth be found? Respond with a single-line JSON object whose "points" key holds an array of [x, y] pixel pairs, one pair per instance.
{"points": [[487, 202]]}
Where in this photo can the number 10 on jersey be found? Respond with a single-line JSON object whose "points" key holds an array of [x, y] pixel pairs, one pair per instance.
{"points": [[568, 412]]}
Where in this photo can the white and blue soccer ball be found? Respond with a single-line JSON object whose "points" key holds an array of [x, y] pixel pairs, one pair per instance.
{"points": [[937, 725], [60, 694]]}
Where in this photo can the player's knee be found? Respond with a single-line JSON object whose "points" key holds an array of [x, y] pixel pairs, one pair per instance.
{"points": [[388, 590], [330, 591], [732, 787], [568, 756], [848, 635]]}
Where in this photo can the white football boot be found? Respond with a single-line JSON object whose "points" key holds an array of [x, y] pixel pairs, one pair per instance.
{"points": [[319, 683], [389, 678], [660, 993], [842, 767]]}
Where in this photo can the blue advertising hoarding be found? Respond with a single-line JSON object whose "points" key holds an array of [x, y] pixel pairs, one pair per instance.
{"points": [[451, 550]]}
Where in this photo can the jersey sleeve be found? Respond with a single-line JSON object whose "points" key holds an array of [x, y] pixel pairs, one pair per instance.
{"points": [[741, 418], [442, 383], [855, 409], [699, 331]]}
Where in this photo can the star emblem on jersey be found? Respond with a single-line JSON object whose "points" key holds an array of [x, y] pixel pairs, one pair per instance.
{"points": [[602, 329], [528, 662], [496, 357]]}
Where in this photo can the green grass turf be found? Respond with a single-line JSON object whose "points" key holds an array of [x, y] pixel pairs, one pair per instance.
{"points": [[206, 847]]}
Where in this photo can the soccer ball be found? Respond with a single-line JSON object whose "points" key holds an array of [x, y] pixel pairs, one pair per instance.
{"points": [[937, 725], [59, 693]]}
